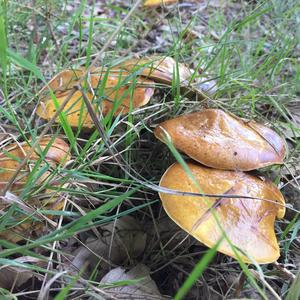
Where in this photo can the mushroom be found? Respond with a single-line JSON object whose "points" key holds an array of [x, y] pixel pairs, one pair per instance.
{"points": [[10, 158], [117, 94], [13, 154], [165, 69], [156, 3], [247, 206], [248, 223], [223, 141], [63, 82]]}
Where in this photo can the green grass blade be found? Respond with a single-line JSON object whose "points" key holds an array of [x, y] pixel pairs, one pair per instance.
{"points": [[24, 63], [294, 291], [197, 271]]}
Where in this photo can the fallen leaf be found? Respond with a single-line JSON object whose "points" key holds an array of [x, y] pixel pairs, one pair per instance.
{"points": [[223, 141], [144, 288], [12, 277], [248, 223], [120, 241]]}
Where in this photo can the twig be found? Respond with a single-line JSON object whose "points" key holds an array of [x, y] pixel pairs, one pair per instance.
{"points": [[265, 283], [36, 38], [239, 285], [285, 272], [49, 26]]}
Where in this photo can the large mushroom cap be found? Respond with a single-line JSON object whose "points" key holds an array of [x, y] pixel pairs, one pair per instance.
{"points": [[55, 152], [75, 110], [248, 223], [219, 140], [119, 93]]}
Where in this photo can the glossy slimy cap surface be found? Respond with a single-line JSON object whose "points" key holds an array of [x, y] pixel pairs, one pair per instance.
{"points": [[222, 141], [248, 223]]}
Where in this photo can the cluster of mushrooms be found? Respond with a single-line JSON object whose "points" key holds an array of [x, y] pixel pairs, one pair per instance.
{"points": [[223, 148], [123, 87]]}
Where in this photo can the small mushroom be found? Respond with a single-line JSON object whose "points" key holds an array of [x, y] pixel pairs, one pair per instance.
{"points": [[223, 141], [10, 158], [248, 223], [117, 94], [13, 154], [157, 3]]}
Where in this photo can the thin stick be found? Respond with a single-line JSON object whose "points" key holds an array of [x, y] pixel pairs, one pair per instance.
{"points": [[265, 283]]}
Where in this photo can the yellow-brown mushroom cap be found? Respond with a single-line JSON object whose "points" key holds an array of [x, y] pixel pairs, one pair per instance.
{"points": [[248, 223], [117, 94], [10, 158], [222, 141], [13, 154]]}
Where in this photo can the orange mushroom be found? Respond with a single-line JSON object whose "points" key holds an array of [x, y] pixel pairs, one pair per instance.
{"points": [[248, 223], [10, 158], [64, 81], [156, 3], [117, 94], [223, 141], [12, 155]]}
